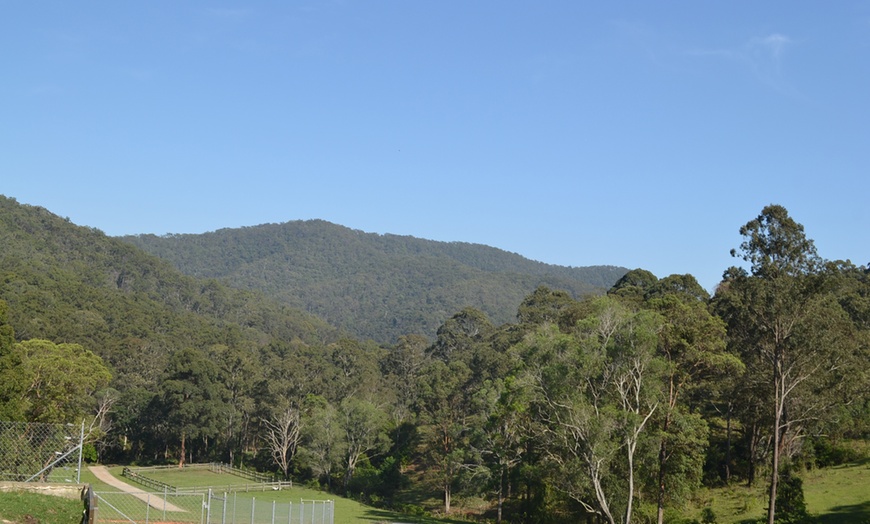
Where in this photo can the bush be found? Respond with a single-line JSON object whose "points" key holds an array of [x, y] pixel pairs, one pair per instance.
{"points": [[708, 516], [790, 505], [828, 453]]}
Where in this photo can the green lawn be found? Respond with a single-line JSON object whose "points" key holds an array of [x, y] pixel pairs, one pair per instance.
{"points": [[838, 495]]}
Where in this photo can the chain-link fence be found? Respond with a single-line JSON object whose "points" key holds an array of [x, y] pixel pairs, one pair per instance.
{"points": [[37, 452], [206, 508]]}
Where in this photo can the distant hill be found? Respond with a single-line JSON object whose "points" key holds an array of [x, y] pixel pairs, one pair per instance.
{"points": [[68, 283], [374, 286]]}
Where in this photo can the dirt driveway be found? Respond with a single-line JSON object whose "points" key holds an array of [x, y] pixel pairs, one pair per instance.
{"points": [[155, 501]]}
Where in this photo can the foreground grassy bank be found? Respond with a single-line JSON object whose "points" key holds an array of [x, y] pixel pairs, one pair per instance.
{"points": [[37, 508]]}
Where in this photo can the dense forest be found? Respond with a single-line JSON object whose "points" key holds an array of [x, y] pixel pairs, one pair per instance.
{"points": [[609, 407], [372, 286]]}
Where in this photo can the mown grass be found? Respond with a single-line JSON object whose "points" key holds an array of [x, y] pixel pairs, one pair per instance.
{"points": [[35, 508]]}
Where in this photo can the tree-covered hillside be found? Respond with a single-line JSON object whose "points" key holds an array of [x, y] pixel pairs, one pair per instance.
{"points": [[374, 286], [73, 284]]}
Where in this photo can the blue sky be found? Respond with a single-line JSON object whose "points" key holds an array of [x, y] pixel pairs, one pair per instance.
{"points": [[640, 134]]}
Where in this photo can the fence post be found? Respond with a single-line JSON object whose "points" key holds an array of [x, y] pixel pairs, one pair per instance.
{"points": [[273, 512], [208, 508], [224, 516], [81, 446], [89, 498], [253, 503]]}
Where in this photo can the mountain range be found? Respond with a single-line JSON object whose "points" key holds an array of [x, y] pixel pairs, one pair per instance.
{"points": [[373, 286], [303, 280]]}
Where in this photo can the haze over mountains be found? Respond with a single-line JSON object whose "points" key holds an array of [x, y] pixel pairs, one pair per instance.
{"points": [[374, 286]]}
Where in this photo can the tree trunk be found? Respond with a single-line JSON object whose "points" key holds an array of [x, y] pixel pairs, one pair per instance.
{"points": [[628, 505], [753, 450], [779, 401], [500, 497], [183, 450], [447, 498], [660, 518], [728, 447]]}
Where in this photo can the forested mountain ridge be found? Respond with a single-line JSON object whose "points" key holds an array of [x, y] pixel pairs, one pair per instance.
{"points": [[374, 286], [69, 283]]}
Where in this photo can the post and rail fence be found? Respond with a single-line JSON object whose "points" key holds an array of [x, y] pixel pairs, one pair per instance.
{"points": [[262, 481]]}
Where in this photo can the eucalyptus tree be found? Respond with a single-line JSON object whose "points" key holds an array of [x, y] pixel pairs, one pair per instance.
{"points": [[792, 332], [56, 382], [596, 390], [544, 305], [239, 371], [691, 343], [502, 439], [402, 367], [323, 445], [283, 433], [446, 418], [191, 400], [365, 432], [634, 286]]}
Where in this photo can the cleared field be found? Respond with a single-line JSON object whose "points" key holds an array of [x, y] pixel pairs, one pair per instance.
{"points": [[833, 495]]}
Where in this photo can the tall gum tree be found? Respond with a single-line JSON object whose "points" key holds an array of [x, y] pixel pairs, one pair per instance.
{"points": [[691, 343], [791, 326], [596, 390]]}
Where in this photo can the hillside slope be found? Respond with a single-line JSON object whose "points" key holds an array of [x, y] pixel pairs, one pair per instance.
{"points": [[374, 286], [68, 283]]}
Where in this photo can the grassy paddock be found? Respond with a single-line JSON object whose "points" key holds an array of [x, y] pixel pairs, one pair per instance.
{"points": [[838, 494], [347, 511]]}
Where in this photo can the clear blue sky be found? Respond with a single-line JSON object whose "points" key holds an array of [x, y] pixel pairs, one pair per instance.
{"points": [[640, 134]]}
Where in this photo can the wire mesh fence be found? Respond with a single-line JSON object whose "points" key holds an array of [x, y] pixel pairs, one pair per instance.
{"points": [[38, 452], [206, 508]]}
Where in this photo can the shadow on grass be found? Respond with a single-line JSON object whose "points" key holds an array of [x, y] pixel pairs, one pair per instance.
{"points": [[378, 515], [850, 514]]}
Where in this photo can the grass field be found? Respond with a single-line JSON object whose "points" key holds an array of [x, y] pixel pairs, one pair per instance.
{"points": [[347, 511], [838, 495]]}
